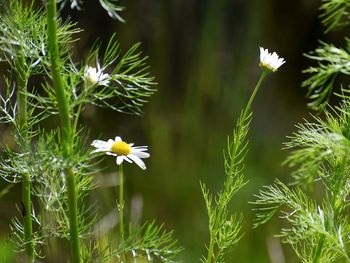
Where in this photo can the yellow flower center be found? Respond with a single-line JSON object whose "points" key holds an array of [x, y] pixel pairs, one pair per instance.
{"points": [[121, 148]]}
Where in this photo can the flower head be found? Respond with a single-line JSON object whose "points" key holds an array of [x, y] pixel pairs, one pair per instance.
{"points": [[122, 150], [270, 61], [95, 76]]}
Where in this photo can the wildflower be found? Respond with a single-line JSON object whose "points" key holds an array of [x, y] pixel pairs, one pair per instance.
{"points": [[270, 61], [122, 150], [95, 76]]}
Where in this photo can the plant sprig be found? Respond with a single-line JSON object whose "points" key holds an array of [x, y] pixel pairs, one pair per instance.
{"points": [[148, 242], [335, 14], [111, 6], [331, 62]]}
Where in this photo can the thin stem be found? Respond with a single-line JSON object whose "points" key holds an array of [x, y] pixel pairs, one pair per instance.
{"points": [[73, 214], [211, 258], [242, 122], [121, 207], [121, 203], [22, 81], [66, 126], [27, 214], [257, 86], [211, 249], [76, 120]]}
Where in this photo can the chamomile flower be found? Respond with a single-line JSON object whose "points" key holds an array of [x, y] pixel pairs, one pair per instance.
{"points": [[95, 76], [270, 61], [122, 150]]}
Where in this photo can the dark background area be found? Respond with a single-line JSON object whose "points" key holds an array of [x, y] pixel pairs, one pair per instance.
{"points": [[204, 55]]}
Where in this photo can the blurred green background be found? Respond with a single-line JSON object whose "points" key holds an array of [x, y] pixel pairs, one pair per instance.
{"points": [[204, 55]]}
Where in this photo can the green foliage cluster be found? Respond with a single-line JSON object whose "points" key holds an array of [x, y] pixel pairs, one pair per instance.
{"points": [[224, 227], [317, 229], [40, 161], [335, 14], [331, 60], [56, 169]]}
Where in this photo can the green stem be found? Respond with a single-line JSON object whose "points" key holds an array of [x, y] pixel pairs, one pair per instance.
{"points": [[121, 207], [121, 203], [73, 215], [211, 249], [66, 126], [319, 249], [211, 254], [27, 214], [242, 123], [22, 81], [257, 86], [63, 104], [77, 115]]}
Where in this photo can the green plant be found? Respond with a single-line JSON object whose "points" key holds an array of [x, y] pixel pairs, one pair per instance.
{"points": [[318, 228], [55, 166], [225, 228]]}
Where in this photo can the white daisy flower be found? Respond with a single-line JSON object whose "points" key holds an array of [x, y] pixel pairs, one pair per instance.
{"points": [[270, 61], [95, 76], [122, 150]]}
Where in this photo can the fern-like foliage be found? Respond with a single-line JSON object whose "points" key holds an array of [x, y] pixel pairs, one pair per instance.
{"points": [[320, 153], [335, 14], [111, 6], [318, 229], [224, 227], [17, 234], [128, 78], [8, 109], [51, 189], [9, 113], [146, 243], [311, 228], [331, 61], [22, 34], [126, 87], [321, 150]]}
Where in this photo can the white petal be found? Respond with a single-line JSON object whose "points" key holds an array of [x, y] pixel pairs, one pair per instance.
{"points": [[140, 154], [138, 149], [103, 77], [138, 161], [111, 153], [261, 53], [101, 146], [104, 82], [98, 143], [119, 160], [98, 150], [117, 139], [127, 159]]}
